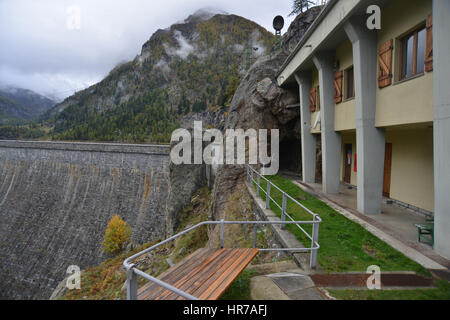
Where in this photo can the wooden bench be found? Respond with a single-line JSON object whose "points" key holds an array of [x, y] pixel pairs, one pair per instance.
{"points": [[427, 230], [205, 274]]}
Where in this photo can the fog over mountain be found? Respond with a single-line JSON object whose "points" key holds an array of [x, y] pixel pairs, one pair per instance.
{"points": [[17, 104], [58, 47]]}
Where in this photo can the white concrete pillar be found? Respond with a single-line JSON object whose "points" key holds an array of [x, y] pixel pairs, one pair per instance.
{"points": [[331, 140], [308, 140], [370, 141], [441, 92]]}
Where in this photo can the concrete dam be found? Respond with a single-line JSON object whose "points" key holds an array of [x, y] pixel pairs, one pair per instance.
{"points": [[56, 200]]}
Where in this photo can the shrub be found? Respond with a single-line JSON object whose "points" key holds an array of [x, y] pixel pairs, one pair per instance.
{"points": [[116, 235]]}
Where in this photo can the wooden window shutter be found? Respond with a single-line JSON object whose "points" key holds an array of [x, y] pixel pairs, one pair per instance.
{"points": [[338, 76], [429, 45], [312, 99], [385, 64]]}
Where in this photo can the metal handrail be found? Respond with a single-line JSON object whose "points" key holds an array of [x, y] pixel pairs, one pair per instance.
{"points": [[133, 272], [314, 237]]}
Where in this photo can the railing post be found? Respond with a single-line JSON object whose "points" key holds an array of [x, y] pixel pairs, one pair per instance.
{"points": [[248, 173], [221, 233], [259, 183], [255, 235], [283, 210], [251, 177], [268, 195], [132, 285], [315, 238]]}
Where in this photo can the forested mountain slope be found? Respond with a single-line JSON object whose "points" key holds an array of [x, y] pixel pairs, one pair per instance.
{"points": [[17, 104], [190, 67]]}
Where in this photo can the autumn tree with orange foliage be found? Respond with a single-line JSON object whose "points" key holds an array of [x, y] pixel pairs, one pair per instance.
{"points": [[117, 234]]}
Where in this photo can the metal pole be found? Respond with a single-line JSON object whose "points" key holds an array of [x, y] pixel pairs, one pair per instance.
{"points": [[248, 173], [132, 285], [268, 195], [259, 182], [221, 233], [283, 211], [315, 238], [255, 235]]}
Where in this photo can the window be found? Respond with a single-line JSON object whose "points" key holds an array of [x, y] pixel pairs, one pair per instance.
{"points": [[413, 53], [349, 83]]}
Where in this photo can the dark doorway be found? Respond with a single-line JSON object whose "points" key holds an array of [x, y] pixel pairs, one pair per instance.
{"points": [[387, 170], [348, 163], [318, 175], [291, 155]]}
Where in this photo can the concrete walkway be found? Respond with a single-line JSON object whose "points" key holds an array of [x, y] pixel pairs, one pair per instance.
{"points": [[290, 285]]}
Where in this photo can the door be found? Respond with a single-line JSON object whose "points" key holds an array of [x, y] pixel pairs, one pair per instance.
{"points": [[387, 170], [348, 163]]}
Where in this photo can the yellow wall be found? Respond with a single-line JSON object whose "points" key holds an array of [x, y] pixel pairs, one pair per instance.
{"points": [[412, 166], [344, 113], [349, 138], [345, 116], [410, 101]]}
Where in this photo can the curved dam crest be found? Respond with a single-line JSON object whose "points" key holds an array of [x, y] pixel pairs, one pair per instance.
{"points": [[57, 198]]}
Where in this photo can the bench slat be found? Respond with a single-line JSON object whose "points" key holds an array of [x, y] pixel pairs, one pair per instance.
{"points": [[152, 290], [225, 279], [218, 268], [210, 263], [205, 274]]}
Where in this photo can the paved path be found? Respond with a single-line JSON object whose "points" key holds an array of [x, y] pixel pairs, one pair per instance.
{"points": [[291, 285]]}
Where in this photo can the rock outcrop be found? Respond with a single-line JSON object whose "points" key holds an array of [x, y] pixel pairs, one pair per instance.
{"points": [[298, 28], [259, 103], [186, 179]]}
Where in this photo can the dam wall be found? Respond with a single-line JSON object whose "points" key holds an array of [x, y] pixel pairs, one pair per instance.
{"points": [[56, 199]]}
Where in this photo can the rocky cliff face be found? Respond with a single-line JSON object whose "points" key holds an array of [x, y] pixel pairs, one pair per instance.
{"points": [[259, 103], [56, 201], [298, 28], [186, 179]]}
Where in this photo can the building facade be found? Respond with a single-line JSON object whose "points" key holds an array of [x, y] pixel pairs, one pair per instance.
{"points": [[378, 101]]}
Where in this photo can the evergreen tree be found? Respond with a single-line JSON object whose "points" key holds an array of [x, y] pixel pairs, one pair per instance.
{"points": [[299, 5]]}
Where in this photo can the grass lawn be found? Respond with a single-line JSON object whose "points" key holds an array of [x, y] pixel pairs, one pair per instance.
{"points": [[240, 288], [442, 292], [344, 244]]}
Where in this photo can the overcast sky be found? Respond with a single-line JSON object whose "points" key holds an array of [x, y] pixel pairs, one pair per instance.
{"points": [[45, 48]]}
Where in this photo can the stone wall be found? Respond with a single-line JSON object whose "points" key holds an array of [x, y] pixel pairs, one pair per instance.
{"points": [[57, 198]]}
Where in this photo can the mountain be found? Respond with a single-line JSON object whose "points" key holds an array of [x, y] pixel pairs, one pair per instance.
{"points": [[191, 66], [17, 104]]}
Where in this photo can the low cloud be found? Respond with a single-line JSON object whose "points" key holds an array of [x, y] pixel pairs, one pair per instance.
{"points": [[184, 49], [46, 49]]}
